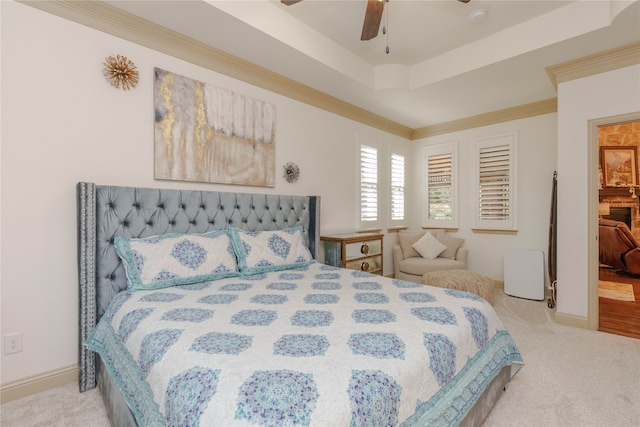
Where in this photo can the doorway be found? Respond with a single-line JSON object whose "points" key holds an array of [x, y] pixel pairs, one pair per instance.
{"points": [[608, 192]]}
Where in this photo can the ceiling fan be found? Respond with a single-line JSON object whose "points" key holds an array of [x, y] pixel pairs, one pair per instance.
{"points": [[372, 17]]}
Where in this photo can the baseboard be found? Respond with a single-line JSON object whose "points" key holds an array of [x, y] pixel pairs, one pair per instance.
{"points": [[571, 320], [38, 383]]}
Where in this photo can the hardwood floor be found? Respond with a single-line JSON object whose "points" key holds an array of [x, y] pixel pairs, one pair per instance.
{"points": [[620, 317]]}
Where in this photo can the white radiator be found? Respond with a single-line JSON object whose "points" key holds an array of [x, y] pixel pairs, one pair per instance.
{"points": [[524, 274]]}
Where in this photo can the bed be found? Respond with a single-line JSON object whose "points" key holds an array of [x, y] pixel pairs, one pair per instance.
{"points": [[264, 334]]}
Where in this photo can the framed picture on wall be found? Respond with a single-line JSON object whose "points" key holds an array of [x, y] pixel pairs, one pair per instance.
{"points": [[619, 166], [204, 133]]}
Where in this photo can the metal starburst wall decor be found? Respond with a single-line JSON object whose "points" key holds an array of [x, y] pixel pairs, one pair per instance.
{"points": [[291, 172], [119, 70]]}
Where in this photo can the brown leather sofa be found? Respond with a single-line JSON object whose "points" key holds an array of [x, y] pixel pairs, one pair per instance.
{"points": [[618, 247]]}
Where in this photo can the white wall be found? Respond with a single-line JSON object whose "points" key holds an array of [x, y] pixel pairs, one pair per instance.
{"points": [[599, 96], [536, 164], [62, 123]]}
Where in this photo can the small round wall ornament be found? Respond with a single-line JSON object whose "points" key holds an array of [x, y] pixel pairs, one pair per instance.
{"points": [[119, 70], [291, 172]]}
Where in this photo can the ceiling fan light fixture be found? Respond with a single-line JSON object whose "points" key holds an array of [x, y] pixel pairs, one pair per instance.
{"points": [[478, 16]]}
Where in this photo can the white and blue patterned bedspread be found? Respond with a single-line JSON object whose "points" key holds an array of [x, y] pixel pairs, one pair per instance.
{"points": [[317, 346]]}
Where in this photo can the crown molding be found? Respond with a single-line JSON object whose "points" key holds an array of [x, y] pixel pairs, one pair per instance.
{"points": [[609, 60], [520, 112], [111, 20]]}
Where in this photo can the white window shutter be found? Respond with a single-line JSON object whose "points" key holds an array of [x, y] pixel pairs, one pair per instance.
{"points": [[368, 184], [397, 187], [496, 179], [441, 186], [440, 180]]}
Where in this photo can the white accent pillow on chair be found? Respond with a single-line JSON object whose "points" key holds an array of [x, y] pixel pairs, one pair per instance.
{"points": [[428, 246]]}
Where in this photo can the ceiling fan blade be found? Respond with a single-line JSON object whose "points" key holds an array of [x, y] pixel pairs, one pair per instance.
{"points": [[464, 1], [290, 2], [372, 18]]}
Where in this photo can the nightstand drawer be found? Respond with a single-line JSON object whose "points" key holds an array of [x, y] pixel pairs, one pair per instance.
{"points": [[358, 251]]}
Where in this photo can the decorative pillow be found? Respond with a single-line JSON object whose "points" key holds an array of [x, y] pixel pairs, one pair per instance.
{"points": [[428, 246], [176, 259], [264, 251], [406, 239], [452, 244], [438, 232]]}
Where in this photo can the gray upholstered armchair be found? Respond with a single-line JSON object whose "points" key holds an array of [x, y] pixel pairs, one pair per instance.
{"points": [[408, 264]]}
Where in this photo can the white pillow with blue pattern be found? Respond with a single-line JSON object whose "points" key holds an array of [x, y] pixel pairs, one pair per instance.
{"points": [[176, 259], [265, 251]]}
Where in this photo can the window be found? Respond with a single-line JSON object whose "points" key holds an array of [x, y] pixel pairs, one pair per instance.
{"points": [[441, 204], [368, 186], [439, 182], [397, 188], [382, 184], [496, 183]]}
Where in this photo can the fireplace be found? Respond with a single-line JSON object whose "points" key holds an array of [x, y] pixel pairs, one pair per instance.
{"points": [[624, 209], [622, 214]]}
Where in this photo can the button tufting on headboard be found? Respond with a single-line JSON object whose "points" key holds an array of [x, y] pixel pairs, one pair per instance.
{"points": [[105, 212]]}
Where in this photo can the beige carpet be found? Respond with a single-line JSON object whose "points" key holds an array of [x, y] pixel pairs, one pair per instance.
{"points": [[613, 290], [571, 377], [562, 384]]}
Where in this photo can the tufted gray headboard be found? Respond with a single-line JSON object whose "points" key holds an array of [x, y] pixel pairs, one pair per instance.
{"points": [[105, 212]]}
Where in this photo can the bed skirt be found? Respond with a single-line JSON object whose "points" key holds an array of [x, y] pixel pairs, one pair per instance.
{"points": [[117, 409]]}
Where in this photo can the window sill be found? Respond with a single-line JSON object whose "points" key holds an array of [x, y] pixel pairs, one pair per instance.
{"points": [[369, 230], [493, 231]]}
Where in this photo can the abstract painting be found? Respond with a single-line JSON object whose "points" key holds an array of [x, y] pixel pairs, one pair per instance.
{"points": [[204, 133]]}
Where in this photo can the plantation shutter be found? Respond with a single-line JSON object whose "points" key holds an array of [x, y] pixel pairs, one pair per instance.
{"points": [[397, 187], [496, 183], [440, 184], [368, 183], [495, 180]]}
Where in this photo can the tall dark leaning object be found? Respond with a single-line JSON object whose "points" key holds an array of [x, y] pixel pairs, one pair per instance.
{"points": [[553, 232]]}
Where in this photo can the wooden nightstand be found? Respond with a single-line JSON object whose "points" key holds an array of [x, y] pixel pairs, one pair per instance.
{"points": [[356, 251]]}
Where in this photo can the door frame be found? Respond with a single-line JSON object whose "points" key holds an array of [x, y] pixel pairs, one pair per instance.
{"points": [[593, 263]]}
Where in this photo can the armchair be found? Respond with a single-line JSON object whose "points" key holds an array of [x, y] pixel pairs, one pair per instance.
{"points": [[409, 265], [618, 248]]}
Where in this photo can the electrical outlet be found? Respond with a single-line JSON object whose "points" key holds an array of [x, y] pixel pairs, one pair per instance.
{"points": [[13, 343]]}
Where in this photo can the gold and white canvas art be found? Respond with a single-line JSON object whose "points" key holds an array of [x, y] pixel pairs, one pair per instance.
{"points": [[205, 133]]}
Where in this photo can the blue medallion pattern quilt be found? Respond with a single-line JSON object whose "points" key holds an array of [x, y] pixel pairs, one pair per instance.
{"points": [[312, 346]]}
